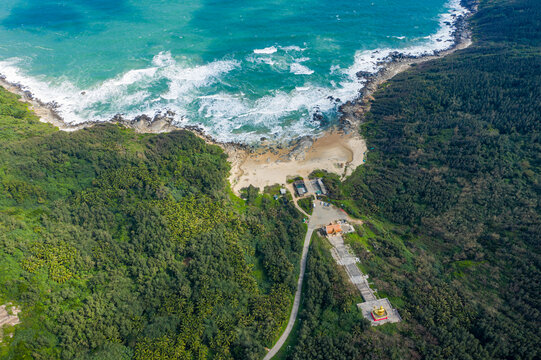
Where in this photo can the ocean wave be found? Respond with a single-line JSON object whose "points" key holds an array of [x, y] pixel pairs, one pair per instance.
{"points": [[263, 114], [231, 114], [292, 48], [372, 61], [128, 93], [299, 69], [170, 85], [282, 60], [267, 50]]}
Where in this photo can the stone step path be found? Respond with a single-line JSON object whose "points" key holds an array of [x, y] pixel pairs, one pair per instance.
{"points": [[343, 256]]}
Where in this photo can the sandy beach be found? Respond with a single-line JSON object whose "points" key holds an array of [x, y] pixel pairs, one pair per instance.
{"points": [[45, 112], [335, 151]]}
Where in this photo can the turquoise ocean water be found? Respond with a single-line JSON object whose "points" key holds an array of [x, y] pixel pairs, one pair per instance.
{"points": [[240, 69]]}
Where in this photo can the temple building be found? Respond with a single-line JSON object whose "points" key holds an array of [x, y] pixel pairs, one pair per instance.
{"points": [[379, 314]]}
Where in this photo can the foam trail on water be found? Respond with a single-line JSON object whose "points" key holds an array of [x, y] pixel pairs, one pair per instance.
{"points": [[267, 50], [128, 93], [292, 48], [374, 60], [231, 114], [299, 69]]}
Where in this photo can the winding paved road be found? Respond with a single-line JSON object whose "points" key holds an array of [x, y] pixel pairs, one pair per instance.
{"points": [[320, 216]]}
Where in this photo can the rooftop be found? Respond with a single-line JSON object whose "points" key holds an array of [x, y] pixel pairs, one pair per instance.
{"points": [[333, 229]]}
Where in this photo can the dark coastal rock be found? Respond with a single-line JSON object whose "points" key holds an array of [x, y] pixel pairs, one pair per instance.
{"points": [[117, 118], [365, 75], [320, 118], [299, 147], [162, 117], [398, 56], [333, 99], [350, 113], [142, 118], [471, 5]]}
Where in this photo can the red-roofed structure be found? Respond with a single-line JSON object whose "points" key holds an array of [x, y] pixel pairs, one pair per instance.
{"points": [[333, 229]]}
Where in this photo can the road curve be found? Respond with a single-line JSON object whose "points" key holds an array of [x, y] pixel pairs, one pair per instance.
{"points": [[297, 301]]}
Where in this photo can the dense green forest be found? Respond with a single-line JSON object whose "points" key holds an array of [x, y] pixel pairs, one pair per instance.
{"points": [[117, 245], [450, 195]]}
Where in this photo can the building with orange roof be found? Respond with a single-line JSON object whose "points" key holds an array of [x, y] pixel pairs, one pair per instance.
{"points": [[333, 229]]}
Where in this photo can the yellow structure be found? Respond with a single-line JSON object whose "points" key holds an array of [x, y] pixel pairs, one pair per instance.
{"points": [[379, 314]]}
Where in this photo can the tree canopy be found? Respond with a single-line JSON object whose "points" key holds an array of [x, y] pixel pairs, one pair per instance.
{"points": [[119, 245]]}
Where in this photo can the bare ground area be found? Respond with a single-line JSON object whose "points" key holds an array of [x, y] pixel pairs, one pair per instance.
{"points": [[8, 317], [335, 152]]}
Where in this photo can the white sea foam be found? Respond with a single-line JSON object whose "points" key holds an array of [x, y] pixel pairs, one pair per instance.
{"points": [[292, 48], [267, 111], [264, 113], [268, 61], [280, 115], [183, 80], [373, 60], [267, 50], [233, 113], [335, 69], [299, 69]]}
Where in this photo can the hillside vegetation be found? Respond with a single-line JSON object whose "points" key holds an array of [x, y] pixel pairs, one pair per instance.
{"points": [[450, 195], [118, 245]]}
